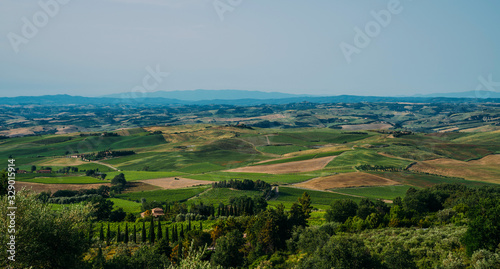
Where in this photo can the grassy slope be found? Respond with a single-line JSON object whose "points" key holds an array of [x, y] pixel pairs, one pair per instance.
{"points": [[269, 178], [382, 192], [128, 206], [143, 175], [319, 199], [54, 146], [163, 195], [357, 157], [303, 157], [426, 180], [65, 180], [222, 195]]}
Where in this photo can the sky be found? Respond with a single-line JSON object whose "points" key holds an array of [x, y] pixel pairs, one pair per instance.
{"points": [[320, 47]]}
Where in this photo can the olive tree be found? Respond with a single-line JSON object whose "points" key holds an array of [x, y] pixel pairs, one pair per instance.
{"points": [[44, 238]]}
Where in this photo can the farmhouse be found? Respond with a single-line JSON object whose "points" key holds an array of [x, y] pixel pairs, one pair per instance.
{"points": [[155, 212], [43, 171], [21, 171]]}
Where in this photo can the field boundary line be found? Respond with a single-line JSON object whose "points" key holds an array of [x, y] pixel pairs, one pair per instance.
{"points": [[105, 164]]}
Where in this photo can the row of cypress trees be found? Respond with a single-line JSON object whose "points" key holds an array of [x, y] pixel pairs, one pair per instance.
{"points": [[156, 232]]}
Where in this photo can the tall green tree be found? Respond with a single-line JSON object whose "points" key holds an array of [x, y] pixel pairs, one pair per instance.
{"points": [[268, 231], [4, 182], [227, 251], [167, 236], [483, 230], [101, 234], [143, 233], [175, 236], [103, 207], [152, 232], [108, 235], [159, 231], [119, 180], [118, 235], [341, 210], [91, 233], [305, 204], [125, 239], [135, 234]]}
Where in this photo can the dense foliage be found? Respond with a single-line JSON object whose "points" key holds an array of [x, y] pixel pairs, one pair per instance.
{"points": [[444, 226]]}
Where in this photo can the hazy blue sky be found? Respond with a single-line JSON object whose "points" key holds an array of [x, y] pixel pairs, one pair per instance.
{"points": [[96, 47]]}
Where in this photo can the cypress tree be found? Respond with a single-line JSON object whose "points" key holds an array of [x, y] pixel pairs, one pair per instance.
{"points": [[108, 235], [182, 231], [101, 234], [175, 236], [152, 232], [143, 234], [126, 234], [159, 231], [135, 234], [189, 225], [166, 235], [91, 233], [118, 234], [201, 226]]}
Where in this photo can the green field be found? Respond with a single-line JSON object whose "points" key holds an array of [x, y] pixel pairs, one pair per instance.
{"points": [[354, 158], [51, 145], [381, 192], [128, 206], [269, 178], [129, 158], [183, 160], [319, 199], [143, 175], [163, 195], [316, 137], [317, 218], [487, 138], [427, 180], [281, 149], [408, 151], [201, 168], [304, 157], [65, 180], [222, 195], [94, 166]]}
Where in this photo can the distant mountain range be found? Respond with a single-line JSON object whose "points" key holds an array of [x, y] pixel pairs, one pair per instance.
{"points": [[235, 97], [199, 95], [468, 94]]}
